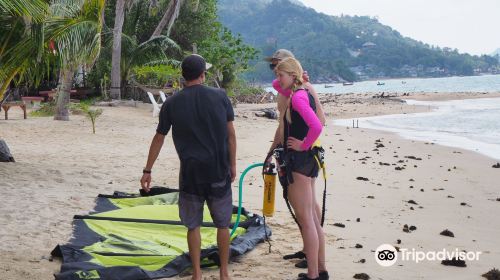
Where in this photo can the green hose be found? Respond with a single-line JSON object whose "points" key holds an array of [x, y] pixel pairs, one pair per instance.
{"points": [[240, 196]]}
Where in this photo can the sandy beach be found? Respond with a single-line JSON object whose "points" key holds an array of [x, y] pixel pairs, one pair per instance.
{"points": [[61, 167]]}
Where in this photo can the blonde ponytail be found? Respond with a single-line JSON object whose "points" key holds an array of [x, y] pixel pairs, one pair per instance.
{"points": [[291, 66]]}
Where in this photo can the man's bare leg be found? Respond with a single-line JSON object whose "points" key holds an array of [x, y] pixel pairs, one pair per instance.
{"points": [[223, 244], [194, 244]]}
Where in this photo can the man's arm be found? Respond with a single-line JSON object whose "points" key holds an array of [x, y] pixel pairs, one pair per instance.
{"points": [[278, 135], [232, 149], [154, 151]]}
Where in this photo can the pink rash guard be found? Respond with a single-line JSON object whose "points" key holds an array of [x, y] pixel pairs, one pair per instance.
{"points": [[300, 103]]}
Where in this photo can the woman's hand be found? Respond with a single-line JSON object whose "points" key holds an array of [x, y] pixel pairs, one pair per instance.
{"points": [[294, 144]]}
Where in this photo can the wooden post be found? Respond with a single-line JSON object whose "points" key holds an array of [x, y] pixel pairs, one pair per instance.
{"points": [[6, 109]]}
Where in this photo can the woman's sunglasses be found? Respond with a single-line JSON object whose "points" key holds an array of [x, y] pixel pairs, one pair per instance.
{"points": [[272, 66]]}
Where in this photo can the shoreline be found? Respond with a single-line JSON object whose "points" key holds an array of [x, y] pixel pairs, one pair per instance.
{"points": [[447, 139]]}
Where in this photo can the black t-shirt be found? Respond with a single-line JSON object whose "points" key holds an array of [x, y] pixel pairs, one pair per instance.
{"points": [[198, 116]]}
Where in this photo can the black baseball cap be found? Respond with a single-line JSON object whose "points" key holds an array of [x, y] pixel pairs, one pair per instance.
{"points": [[193, 66]]}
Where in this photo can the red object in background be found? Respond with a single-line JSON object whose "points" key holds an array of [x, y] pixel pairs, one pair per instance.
{"points": [[52, 47]]}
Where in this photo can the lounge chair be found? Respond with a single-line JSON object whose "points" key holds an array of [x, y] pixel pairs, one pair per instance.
{"points": [[163, 96], [156, 106]]}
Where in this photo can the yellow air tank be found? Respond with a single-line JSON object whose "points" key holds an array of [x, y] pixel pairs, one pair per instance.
{"points": [[269, 191]]}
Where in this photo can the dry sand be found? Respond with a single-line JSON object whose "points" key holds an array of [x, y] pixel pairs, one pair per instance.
{"points": [[61, 167]]}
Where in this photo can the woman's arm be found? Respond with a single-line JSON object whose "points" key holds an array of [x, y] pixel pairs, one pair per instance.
{"points": [[300, 103], [319, 108]]}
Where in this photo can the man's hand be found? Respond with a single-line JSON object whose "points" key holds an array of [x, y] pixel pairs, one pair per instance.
{"points": [[146, 182], [305, 77], [233, 173], [294, 144]]}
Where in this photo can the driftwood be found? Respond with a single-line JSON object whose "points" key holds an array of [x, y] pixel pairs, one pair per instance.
{"points": [[267, 113]]}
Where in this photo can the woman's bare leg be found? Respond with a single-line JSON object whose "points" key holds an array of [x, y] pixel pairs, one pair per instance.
{"points": [[300, 196], [319, 230], [317, 208]]}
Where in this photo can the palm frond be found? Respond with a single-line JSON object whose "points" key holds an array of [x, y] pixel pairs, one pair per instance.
{"points": [[165, 61], [77, 30], [32, 8], [152, 49]]}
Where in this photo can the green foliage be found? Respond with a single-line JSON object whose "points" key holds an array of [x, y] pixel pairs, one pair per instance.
{"points": [[151, 61], [21, 40], [195, 25], [240, 87], [227, 53], [32, 8], [75, 27], [84, 107], [93, 114], [157, 75], [47, 109], [138, 49]]}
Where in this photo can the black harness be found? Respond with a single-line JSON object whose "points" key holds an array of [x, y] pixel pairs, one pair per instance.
{"points": [[299, 131]]}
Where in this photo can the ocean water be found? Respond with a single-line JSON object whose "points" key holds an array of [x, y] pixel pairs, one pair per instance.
{"points": [[472, 124], [486, 83]]}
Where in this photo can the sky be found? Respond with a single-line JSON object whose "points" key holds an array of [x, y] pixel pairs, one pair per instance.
{"points": [[471, 26]]}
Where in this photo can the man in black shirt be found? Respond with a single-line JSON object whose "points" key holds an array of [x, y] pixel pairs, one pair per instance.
{"points": [[201, 119]]}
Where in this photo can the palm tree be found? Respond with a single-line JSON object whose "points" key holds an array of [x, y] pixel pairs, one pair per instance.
{"points": [[117, 49], [75, 26], [71, 27], [19, 22], [34, 8], [151, 52], [167, 21]]}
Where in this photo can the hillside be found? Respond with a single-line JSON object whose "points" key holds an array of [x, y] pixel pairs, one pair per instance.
{"points": [[346, 47]]}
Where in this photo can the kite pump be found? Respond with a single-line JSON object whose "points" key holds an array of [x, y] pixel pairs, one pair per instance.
{"points": [[269, 192]]}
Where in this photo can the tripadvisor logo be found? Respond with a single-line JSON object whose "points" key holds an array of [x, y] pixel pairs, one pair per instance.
{"points": [[387, 255], [91, 274]]}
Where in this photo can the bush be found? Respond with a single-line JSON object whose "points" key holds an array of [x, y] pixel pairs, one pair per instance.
{"points": [[157, 75], [47, 109]]}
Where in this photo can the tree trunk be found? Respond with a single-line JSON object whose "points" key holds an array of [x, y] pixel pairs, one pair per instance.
{"points": [[63, 95], [117, 50], [168, 18]]}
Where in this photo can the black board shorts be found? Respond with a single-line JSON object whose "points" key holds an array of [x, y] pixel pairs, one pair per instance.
{"points": [[302, 162]]}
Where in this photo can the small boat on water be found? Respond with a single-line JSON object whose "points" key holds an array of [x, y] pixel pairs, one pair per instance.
{"points": [[328, 86], [347, 83], [380, 84]]}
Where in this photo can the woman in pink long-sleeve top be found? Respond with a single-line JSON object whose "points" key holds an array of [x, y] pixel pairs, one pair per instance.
{"points": [[302, 128]]}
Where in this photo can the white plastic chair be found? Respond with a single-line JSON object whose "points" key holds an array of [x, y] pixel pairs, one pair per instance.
{"points": [[156, 106], [163, 96]]}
